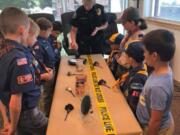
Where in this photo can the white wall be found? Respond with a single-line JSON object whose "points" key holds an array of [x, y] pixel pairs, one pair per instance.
{"points": [[176, 59]]}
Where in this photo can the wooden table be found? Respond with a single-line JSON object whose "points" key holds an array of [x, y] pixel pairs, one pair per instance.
{"points": [[77, 124]]}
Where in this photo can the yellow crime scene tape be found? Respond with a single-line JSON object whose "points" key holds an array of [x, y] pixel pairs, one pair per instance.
{"points": [[106, 120]]}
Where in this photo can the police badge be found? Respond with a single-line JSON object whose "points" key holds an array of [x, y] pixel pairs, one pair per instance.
{"points": [[98, 11]]}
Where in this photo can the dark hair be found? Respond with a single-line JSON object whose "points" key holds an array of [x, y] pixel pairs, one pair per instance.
{"points": [[162, 42], [57, 26], [135, 51], [132, 14], [141, 23], [44, 23]]}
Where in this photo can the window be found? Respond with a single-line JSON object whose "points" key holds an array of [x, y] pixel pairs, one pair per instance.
{"points": [[167, 9], [31, 6], [72, 5], [109, 5]]}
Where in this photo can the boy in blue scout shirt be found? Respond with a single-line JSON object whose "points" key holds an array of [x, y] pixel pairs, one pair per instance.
{"points": [[136, 75], [32, 38], [153, 110], [18, 75], [45, 53], [88, 24], [43, 49], [57, 30]]}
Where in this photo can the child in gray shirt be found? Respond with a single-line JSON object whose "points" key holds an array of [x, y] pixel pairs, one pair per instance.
{"points": [[153, 110]]}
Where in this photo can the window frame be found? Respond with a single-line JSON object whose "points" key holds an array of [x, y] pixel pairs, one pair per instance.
{"points": [[154, 12]]}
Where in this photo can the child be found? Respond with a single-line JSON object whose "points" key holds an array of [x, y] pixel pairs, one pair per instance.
{"points": [[115, 40], [43, 49], [17, 75], [45, 53], [32, 38], [57, 30], [134, 24], [137, 75], [153, 110]]}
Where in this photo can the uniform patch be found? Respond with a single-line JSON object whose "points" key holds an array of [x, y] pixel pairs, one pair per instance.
{"points": [[135, 94], [36, 47], [98, 11], [35, 62], [22, 61], [23, 79], [142, 100]]}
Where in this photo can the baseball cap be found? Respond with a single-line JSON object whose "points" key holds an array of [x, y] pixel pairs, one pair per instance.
{"points": [[128, 14]]}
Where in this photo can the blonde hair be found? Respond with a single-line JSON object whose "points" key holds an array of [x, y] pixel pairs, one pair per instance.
{"points": [[34, 28], [11, 18]]}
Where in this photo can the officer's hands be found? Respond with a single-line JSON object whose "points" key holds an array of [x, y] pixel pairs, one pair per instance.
{"points": [[95, 31], [73, 45]]}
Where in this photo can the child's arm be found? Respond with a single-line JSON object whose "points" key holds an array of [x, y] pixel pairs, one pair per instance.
{"points": [[154, 122], [47, 75], [159, 100], [15, 110], [4, 115]]}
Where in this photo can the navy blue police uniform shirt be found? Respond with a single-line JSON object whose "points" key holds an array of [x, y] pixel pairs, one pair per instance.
{"points": [[86, 22], [44, 52], [17, 73]]}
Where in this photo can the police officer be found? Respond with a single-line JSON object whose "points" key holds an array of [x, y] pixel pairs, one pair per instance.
{"points": [[88, 24]]}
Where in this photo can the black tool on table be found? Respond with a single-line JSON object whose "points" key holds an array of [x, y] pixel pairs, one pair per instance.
{"points": [[68, 108], [104, 83], [97, 64], [68, 89], [78, 56], [85, 105]]}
